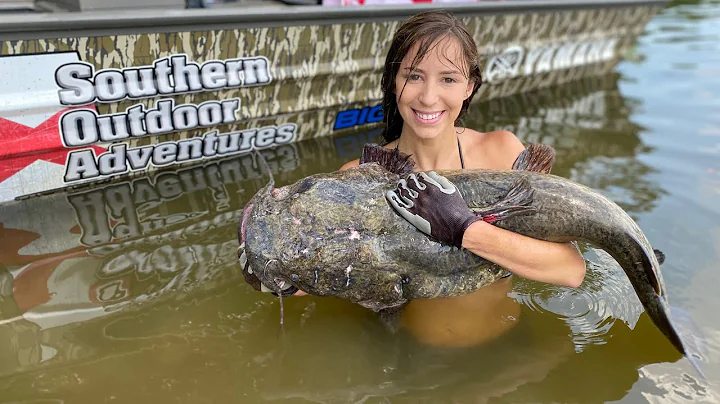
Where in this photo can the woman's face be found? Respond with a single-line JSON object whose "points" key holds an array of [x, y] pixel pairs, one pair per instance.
{"points": [[435, 90]]}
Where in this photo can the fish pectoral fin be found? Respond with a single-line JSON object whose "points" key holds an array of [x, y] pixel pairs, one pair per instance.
{"points": [[660, 256], [653, 276], [391, 160], [536, 157], [516, 202]]}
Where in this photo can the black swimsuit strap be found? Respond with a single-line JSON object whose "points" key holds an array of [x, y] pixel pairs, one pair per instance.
{"points": [[462, 162]]}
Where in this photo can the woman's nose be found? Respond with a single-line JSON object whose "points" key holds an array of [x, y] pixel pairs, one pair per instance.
{"points": [[428, 94]]}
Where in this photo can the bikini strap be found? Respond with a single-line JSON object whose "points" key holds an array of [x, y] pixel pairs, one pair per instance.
{"points": [[462, 161]]}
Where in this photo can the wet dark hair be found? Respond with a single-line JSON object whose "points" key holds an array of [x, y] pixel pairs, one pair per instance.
{"points": [[425, 28]]}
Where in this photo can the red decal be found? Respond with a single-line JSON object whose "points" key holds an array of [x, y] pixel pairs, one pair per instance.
{"points": [[23, 145]]}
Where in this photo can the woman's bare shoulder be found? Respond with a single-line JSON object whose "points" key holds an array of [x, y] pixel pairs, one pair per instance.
{"points": [[498, 148]]}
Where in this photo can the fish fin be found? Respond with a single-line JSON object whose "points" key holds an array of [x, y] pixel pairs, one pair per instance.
{"points": [[516, 202], [536, 157], [653, 276], [695, 362], [659, 255], [694, 342], [391, 160]]}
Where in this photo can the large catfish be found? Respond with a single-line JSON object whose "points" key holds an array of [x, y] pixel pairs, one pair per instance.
{"points": [[335, 234]]}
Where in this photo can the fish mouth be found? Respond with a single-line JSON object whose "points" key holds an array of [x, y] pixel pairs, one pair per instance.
{"points": [[250, 277], [243, 222], [286, 288], [247, 272]]}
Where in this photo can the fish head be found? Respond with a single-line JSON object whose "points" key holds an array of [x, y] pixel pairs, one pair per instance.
{"points": [[268, 280], [320, 235], [274, 228]]}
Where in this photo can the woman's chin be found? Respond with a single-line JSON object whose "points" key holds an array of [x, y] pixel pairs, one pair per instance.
{"points": [[428, 132]]}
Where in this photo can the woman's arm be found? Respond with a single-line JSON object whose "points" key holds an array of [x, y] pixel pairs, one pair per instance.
{"points": [[434, 206], [445, 216], [349, 164], [543, 261]]}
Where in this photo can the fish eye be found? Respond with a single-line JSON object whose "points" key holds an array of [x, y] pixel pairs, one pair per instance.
{"points": [[304, 185]]}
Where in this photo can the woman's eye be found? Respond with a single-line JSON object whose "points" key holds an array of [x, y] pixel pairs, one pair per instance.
{"points": [[449, 80], [414, 77]]}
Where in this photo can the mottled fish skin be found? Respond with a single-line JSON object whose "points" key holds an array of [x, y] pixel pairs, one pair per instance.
{"points": [[334, 234]]}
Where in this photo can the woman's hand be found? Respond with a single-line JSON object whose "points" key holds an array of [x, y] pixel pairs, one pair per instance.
{"points": [[434, 205]]}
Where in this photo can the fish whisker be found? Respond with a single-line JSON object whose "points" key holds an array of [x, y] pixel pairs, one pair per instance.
{"points": [[278, 287], [282, 309]]}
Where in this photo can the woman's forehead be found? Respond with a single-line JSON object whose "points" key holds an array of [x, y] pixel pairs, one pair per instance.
{"points": [[443, 54]]}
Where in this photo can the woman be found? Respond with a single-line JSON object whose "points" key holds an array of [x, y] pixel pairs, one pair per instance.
{"points": [[431, 75]]}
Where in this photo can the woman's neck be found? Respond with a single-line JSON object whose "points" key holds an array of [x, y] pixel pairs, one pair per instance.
{"points": [[439, 153]]}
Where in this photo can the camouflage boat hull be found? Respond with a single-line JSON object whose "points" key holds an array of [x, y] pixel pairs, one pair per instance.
{"points": [[75, 109]]}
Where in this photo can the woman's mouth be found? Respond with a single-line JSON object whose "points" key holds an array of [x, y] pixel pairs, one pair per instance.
{"points": [[428, 118]]}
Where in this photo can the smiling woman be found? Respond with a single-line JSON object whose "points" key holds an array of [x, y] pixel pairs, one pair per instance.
{"points": [[431, 76]]}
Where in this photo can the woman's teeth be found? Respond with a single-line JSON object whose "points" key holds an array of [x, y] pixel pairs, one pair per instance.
{"points": [[428, 117]]}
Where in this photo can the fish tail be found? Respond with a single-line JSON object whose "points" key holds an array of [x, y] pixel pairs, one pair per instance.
{"points": [[652, 293], [664, 323]]}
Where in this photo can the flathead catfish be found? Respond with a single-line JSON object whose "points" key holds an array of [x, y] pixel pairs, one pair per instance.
{"points": [[335, 234]]}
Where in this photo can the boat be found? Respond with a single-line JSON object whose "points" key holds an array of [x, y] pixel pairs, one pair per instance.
{"points": [[97, 95]]}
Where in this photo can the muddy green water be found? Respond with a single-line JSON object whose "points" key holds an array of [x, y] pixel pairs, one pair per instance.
{"points": [[156, 310]]}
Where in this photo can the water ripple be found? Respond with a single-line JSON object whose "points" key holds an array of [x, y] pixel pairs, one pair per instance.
{"points": [[591, 310]]}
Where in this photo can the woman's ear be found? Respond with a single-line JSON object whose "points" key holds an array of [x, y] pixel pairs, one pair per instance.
{"points": [[469, 90]]}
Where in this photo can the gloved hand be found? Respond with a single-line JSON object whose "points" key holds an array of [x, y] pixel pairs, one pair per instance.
{"points": [[433, 204]]}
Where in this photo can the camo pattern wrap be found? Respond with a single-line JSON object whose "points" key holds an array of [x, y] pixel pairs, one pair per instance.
{"points": [[319, 71], [316, 67]]}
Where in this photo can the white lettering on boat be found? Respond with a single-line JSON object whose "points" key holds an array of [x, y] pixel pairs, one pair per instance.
{"points": [[119, 159], [167, 76], [516, 61], [82, 127]]}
